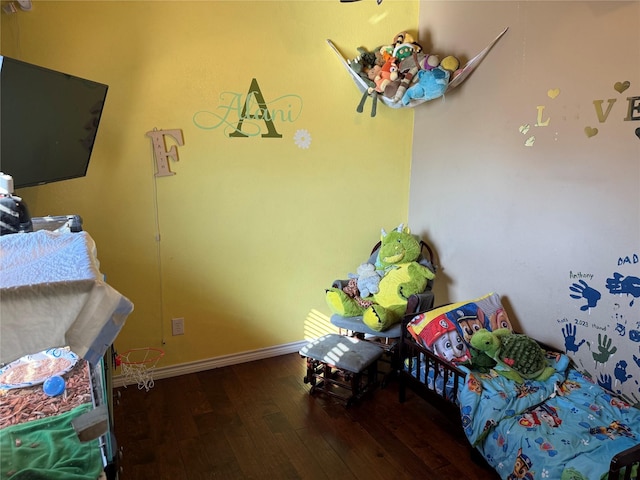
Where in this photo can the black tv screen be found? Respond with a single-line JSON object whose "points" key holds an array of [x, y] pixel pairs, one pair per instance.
{"points": [[48, 123]]}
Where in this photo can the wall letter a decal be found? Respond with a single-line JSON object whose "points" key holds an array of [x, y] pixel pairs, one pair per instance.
{"points": [[262, 113]]}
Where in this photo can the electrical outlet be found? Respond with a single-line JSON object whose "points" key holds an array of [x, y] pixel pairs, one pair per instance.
{"points": [[177, 326]]}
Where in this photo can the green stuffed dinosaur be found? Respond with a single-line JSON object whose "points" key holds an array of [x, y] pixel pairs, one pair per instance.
{"points": [[518, 356], [402, 276]]}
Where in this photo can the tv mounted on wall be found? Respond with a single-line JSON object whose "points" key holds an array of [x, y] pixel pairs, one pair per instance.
{"points": [[48, 123]]}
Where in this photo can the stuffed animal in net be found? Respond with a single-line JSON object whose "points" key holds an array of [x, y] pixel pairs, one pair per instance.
{"points": [[382, 70], [430, 84], [362, 64], [401, 276], [386, 82], [365, 66], [518, 356], [408, 67]]}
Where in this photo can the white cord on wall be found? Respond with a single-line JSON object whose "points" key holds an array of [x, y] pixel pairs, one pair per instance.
{"points": [[158, 249]]}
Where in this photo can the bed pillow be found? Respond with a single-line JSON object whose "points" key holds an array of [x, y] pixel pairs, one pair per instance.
{"points": [[447, 330], [440, 335]]}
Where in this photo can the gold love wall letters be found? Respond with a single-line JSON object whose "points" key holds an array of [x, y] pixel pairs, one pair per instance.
{"points": [[603, 110], [633, 110]]}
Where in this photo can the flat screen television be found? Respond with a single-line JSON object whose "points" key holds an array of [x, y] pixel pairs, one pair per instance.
{"points": [[48, 123]]}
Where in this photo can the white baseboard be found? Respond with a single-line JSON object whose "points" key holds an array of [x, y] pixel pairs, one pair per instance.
{"points": [[217, 362]]}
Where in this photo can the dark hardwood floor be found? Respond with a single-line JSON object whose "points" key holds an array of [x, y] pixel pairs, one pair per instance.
{"points": [[257, 420]]}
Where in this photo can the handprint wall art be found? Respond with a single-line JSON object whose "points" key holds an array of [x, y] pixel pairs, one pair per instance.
{"points": [[603, 337]]}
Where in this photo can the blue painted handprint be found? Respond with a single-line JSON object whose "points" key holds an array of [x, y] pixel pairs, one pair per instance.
{"points": [[606, 382], [620, 372], [629, 285], [582, 290], [569, 332]]}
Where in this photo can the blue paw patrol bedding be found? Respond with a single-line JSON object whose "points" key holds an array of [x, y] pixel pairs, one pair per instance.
{"points": [[565, 427]]}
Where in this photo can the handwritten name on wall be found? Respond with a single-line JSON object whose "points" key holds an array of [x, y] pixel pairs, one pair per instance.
{"points": [[603, 336]]}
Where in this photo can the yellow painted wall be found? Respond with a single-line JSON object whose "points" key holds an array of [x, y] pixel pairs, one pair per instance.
{"points": [[252, 229]]}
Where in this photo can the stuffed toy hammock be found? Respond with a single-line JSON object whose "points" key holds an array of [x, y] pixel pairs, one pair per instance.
{"points": [[422, 85]]}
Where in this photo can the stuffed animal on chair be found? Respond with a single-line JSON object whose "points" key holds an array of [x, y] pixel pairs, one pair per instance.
{"points": [[401, 277], [367, 279]]}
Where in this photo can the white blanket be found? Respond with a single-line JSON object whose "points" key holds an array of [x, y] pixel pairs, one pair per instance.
{"points": [[52, 294]]}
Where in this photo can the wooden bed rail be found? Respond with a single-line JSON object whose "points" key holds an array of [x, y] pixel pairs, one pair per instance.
{"points": [[623, 462], [416, 357], [444, 395]]}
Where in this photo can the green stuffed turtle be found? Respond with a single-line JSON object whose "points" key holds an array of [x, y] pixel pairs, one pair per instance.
{"points": [[518, 356]]}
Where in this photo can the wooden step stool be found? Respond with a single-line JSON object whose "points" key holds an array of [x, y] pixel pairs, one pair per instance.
{"points": [[342, 367]]}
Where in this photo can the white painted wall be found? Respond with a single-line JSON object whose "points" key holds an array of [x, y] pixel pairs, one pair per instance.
{"points": [[530, 222]]}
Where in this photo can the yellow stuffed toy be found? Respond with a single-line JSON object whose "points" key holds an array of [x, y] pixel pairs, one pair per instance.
{"points": [[402, 276]]}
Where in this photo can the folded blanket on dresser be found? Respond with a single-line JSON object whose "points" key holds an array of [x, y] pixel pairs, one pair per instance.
{"points": [[53, 295]]}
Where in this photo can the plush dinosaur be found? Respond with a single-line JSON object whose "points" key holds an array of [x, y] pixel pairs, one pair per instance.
{"points": [[401, 276], [518, 356]]}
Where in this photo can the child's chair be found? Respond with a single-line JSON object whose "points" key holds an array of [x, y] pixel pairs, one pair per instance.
{"points": [[421, 302]]}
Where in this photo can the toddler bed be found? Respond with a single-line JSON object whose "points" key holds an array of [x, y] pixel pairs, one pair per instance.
{"points": [[565, 427]]}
